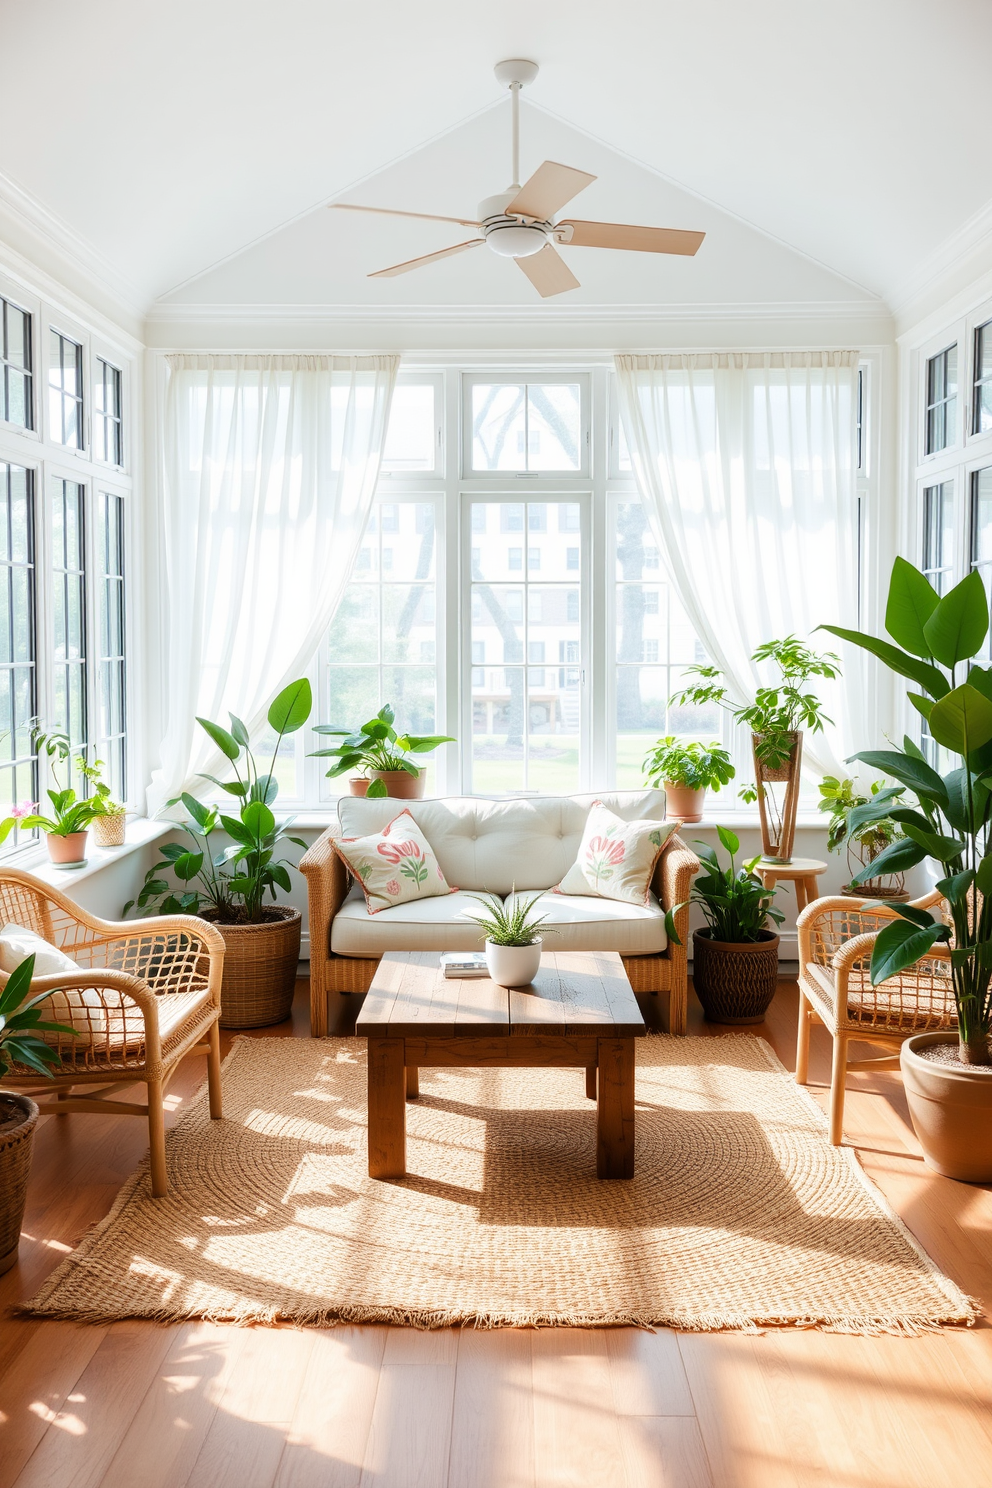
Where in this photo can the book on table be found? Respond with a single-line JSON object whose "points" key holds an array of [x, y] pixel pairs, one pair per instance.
{"points": [[464, 964]]}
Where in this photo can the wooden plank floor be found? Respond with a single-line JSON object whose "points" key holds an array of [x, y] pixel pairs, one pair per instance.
{"points": [[201, 1405]]}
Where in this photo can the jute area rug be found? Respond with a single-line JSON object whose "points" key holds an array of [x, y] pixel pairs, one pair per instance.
{"points": [[740, 1213]]}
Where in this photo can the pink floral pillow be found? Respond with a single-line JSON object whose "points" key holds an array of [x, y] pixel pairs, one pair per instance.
{"points": [[616, 858], [393, 866]]}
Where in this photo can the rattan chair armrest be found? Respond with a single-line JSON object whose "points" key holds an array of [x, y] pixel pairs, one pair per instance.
{"points": [[859, 947], [673, 876], [133, 987], [327, 885]]}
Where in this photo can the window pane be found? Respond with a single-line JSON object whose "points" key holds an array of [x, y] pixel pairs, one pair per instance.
{"points": [[354, 632], [554, 419], [411, 442], [18, 769], [498, 426], [65, 390], [942, 387], [981, 534], [407, 621], [982, 421], [938, 535], [412, 545], [111, 729]]}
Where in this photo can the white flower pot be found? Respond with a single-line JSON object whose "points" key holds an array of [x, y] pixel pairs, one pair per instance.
{"points": [[513, 966]]}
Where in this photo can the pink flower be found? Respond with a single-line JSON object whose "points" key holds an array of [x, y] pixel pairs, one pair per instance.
{"points": [[393, 853], [392, 887], [612, 851], [25, 809]]}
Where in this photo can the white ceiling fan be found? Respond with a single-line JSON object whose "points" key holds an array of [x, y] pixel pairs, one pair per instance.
{"points": [[521, 223]]}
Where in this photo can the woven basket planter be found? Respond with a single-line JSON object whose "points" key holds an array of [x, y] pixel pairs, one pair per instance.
{"points": [[108, 831], [15, 1165], [260, 963], [735, 980]]}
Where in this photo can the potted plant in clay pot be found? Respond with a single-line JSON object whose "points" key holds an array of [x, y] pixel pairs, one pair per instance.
{"points": [[864, 841], [20, 1026], [686, 770], [948, 1076], [735, 958], [777, 718], [381, 754], [67, 828], [513, 944], [229, 887]]}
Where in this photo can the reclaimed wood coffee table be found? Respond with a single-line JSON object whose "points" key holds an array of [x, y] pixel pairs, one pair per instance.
{"points": [[579, 1011]]}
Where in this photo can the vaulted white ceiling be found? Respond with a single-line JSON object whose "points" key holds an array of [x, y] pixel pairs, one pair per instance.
{"points": [[828, 150]]}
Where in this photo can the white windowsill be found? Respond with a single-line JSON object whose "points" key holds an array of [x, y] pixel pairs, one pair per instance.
{"points": [[139, 833]]}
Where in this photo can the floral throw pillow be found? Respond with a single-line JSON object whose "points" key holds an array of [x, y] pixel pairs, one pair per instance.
{"points": [[393, 866], [616, 858]]}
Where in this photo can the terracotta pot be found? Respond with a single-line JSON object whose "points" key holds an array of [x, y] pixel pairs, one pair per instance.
{"points": [[260, 964], [401, 784], [108, 831], [734, 980], [65, 850], [16, 1141], [684, 802], [358, 784], [951, 1107], [513, 966]]}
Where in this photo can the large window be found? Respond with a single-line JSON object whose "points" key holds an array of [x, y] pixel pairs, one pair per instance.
{"points": [[16, 381], [18, 672], [65, 391], [942, 399], [108, 437]]}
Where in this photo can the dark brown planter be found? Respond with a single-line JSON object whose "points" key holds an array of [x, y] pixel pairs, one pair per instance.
{"points": [[260, 963], [951, 1108], [16, 1142], [402, 785], [735, 981]]}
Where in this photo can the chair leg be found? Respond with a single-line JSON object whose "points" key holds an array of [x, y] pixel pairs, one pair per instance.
{"points": [[838, 1079], [156, 1139], [802, 1041], [213, 1074]]}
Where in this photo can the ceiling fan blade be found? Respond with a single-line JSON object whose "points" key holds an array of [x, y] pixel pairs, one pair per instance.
{"points": [[394, 212], [548, 272], [426, 258], [547, 191], [640, 239]]}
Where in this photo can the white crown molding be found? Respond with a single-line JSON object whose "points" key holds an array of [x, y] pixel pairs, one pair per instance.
{"points": [[179, 314], [52, 249], [966, 255]]}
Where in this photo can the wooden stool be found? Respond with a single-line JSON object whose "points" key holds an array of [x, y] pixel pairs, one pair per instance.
{"points": [[803, 872]]}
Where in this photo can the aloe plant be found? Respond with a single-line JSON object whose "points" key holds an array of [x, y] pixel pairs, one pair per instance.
{"points": [[513, 925], [936, 643]]}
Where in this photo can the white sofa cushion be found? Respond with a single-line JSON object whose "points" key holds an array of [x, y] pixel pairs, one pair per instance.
{"points": [[584, 924], [483, 844], [616, 859]]}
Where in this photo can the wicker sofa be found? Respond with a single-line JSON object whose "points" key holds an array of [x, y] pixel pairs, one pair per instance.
{"points": [[494, 845]]}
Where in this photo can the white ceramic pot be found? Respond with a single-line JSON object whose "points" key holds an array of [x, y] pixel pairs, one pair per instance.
{"points": [[513, 966]]}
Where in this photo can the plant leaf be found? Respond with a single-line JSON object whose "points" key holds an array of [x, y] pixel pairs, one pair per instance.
{"points": [[954, 888], [962, 720], [930, 678], [917, 774], [258, 819], [376, 789], [960, 622], [729, 840], [922, 704], [896, 858], [225, 742], [670, 929], [912, 600], [238, 730], [899, 945], [937, 846], [291, 709]]}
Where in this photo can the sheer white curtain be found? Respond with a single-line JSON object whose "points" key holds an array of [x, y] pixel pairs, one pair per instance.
{"points": [[270, 467], [746, 465]]}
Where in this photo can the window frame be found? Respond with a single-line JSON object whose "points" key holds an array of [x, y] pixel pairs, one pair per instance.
{"points": [[8, 299], [98, 417], [403, 477], [534, 376]]}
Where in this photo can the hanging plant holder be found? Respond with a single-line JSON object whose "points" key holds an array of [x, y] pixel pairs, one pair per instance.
{"points": [[778, 816]]}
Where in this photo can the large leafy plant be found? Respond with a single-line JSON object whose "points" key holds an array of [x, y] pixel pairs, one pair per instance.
{"points": [[70, 813], [230, 885], [735, 903], [779, 711], [937, 640], [688, 763], [865, 840], [376, 747], [21, 1023]]}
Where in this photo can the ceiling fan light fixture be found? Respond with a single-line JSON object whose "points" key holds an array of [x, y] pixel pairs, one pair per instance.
{"points": [[509, 236]]}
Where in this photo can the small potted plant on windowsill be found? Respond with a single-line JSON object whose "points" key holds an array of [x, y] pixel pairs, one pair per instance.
{"points": [[776, 719], [735, 958], [67, 828], [381, 754], [686, 770], [20, 1027], [864, 840], [513, 944], [262, 941]]}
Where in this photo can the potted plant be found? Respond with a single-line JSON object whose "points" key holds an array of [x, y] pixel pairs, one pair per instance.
{"points": [[229, 887], [66, 829], [735, 957], [381, 754], [20, 1026], [513, 945], [864, 841], [776, 718], [948, 1076], [686, 770]]}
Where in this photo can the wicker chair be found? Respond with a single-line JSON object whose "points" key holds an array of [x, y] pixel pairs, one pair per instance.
{"points": [[147, 994], [835, 944]]}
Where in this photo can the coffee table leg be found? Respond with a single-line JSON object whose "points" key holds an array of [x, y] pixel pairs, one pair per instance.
{"points": [[591, 1081], [615, 1110], [387, 1109], [412, 1082]]}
